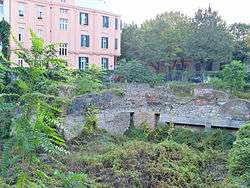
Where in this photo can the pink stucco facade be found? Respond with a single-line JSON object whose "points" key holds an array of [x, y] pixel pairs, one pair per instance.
{"points": [[48, 27]]}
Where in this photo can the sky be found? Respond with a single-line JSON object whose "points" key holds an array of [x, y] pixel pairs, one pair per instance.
{"points": [[138, 11]]}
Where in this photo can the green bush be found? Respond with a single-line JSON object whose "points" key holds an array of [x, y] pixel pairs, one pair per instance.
{"points": [[143, 164], [218, 140], [233, 77], [161, 132], [136, 72], [217, 83], [89, 81], [244, 132], [239, 160]]}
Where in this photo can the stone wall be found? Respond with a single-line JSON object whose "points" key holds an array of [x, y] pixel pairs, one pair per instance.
{"points": [[142, 103]]}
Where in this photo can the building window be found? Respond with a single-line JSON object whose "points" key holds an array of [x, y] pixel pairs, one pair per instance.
{"points": [[116, 44], [105, 63], [105, 42], [40, 33], [84, 19], [21, 9], [20, 34], [83, 63], [84, 40], [121, 25], [63, 49], [1, 7], [63, 24], [105, 21], [40, 12], [63, 11], [116, 23], [20, 62]]}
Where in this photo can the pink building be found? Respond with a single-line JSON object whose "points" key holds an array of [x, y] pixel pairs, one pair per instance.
{"points": [[88, 32]]}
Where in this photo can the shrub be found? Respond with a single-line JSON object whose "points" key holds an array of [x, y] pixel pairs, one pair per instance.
{"points": [[143, 164], [161, 132], [136, 72], [244, 132], [217, 83], [233, 77], [218, 140], [89, 80], [239, 160], [90, 126]]}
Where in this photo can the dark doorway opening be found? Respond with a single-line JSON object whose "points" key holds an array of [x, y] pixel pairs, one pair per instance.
{"points": [[132, 121], [157, 119]]}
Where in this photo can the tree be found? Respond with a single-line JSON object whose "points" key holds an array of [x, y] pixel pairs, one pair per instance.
{"points": [[210, 40], [130, 41], [240, 33], [134, 71], [5, 38], [248, 44], [31, 107], [163, 39]]}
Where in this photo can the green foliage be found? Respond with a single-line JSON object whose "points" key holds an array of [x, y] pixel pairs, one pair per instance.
{"points": [[141, 164], [232, 78], [210, 39], [136, 72], [31, 114], [73, 180], [5, 38], [90, 80], [130, 40], [181, 89], [172, 37], [217, 83], [239, 161], [90, 126], [240, 32], [215, 139], [161, 133], [163, 39]]}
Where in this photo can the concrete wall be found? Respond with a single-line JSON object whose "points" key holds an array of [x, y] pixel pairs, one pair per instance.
{"points": [[207, 107]]}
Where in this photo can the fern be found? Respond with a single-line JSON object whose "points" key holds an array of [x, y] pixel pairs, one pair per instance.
{"points": [[5, 162]]}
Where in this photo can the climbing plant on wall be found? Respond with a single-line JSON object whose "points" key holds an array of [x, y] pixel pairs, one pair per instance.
{"points": [[5, 37]]}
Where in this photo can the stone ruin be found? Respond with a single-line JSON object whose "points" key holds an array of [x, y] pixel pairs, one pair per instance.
{"points": [[206, 108]]}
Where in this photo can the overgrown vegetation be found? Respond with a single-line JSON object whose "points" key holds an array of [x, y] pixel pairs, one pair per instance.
{"points": [[33, 99], [136, 72], [239, 161], [232, 78], [31, 110]]}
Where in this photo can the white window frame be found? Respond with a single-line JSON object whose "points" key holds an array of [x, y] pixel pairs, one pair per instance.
{"points": [[64, 11], [40, 12], [105, 63], [21, 34], [63, 49], [105, 42], [63, 24], [84, 18], [20, 61], [21, 9], [40, 33], [85, 41], [83, 63]]}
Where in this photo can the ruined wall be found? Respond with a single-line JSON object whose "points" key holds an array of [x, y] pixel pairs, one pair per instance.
{"points": [[143, 103]]}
